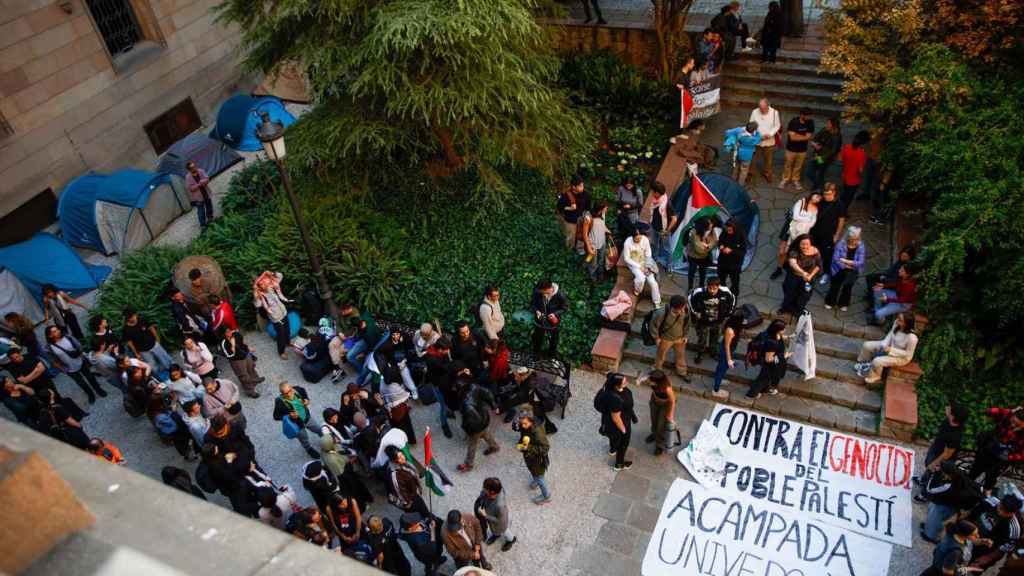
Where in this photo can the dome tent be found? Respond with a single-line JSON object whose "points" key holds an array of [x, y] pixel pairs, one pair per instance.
{"points": [[239, 116], [122, 211], [42, 259], [736, 203], [211, 156]]}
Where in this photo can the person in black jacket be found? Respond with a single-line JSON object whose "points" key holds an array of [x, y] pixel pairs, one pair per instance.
{"points": [[243, 363], [227, 472], [230, 439], [382, 537], [618, 417], [476, 417], [468, 347], [293, 403], [773, 365], [732, 249], [709, 307], [548, 305], [423, 535], [948, 490], [998, 521]]}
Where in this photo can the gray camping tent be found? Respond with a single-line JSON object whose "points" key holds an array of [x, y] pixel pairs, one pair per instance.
{"points": [[14, 297], [211, 155]]}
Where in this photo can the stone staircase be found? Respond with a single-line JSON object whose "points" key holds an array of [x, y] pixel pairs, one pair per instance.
{"points": [[792, 83]]}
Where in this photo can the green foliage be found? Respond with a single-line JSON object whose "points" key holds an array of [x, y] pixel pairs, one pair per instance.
{"points": [[410, 80], [619, 93], [140, 283], [963, 154]]}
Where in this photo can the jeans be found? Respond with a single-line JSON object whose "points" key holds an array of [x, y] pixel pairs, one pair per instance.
{"points": [[538, 481], [659, 245], [841, 287], [85, 380], [108, 368], [937, 516], [303, 436], [364, 371], [595, 268], [889, 308], [722, 368], [204, 210], [697, 266], [641, 278], [158, 358], [872, 351]]}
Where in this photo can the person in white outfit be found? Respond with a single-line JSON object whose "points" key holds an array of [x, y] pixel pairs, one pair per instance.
{"points": [[491, 317], [896, 349], [636, 251], [768, 125], [802, 217]]}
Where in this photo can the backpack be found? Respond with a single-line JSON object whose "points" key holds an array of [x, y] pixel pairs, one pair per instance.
{"points": [[474, 312], [204, 480], [645, 330], [756, 349], [473, 420], [599, 400], [165, 424], [131, 406]]}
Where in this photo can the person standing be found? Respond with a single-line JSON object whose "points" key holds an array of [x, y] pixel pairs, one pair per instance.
{"points": [[629, 199], [595, 241], [803, 263], [197, 358], [548, 305], [423, 535], [952, 557], [197, 182], [270, 302], [142, 339], [771, 33], [799, 132], [800, 220], [768, 126], [826, 144], [731, 334], [639, 258], [571, 204], [533, 443], [597, 11], [243, 364], [663, 221], [380, 534], [999, 447], [494, 510], [773, 365], [828, 226], [847, 264], [669, 327], [293, 403], [67, 355], [853, 157], [222, 314], [405, 491], [663, 408], [618, 417], [491, 318], [737, 28], [476, 417], [222, 398], [710, 306], [947, 491], [745, 141], [701, 241], [732, 249], [190, 324], [57, 307], [105, 346], [463, 538]]}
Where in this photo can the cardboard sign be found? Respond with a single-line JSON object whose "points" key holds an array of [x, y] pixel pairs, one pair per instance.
{"points": [[705, 89], [833, 477], [703, 532]]}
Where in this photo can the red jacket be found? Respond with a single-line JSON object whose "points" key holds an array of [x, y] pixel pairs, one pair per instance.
{"points": [[498, 365], [224, 315], [1012, 439], [906, 290]]}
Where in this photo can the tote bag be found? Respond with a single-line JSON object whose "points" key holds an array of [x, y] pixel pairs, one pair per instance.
{"points": [[289, 428]]}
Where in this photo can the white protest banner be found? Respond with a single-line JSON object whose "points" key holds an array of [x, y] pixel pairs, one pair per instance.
{"points": [[703, 532], [847, 481], [805, 356]]}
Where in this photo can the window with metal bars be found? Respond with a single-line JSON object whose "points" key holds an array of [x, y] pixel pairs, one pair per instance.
{"points": [[117, 23]]}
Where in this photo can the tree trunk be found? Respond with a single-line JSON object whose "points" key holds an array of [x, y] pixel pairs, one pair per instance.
{"points": [[669, 22]]}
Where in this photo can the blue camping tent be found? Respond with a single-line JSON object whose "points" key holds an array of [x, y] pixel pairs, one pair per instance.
{"points": [[122, 211], [239, 117], [42, 259], [736, 202]]}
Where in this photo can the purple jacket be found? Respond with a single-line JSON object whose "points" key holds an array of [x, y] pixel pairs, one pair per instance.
{"points": [[840, 252], [195, 186]]}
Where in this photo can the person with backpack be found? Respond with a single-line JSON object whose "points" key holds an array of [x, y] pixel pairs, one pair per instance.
{"points": [[547, 305], [663, 406], [637, 254], [533, 443], [768, 350], [476, 417], [422, 533], [947, 491], [242, 361], [710, 306], [731, 334], [668, 328], [618, 416], [293, 403], [742, 142], [67, 355], [489, 312], [732, 249]]}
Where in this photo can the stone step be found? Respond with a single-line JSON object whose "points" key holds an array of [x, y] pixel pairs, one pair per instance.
{"points": [[782, 68], [832, 364], [765, 88], [784, 55], [786, 404], [742, 77], [785, 104]]}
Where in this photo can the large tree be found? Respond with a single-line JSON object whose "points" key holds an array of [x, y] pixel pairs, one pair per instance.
{"points": [[462, 81], [670, 30]]}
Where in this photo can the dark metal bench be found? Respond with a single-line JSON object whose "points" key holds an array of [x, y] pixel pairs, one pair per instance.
{"points": [[558, 369]]}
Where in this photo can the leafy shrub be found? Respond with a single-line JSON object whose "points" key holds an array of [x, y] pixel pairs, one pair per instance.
{"points": [[618, 92]]}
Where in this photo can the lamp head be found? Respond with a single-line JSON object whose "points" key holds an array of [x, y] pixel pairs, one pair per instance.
{"points": [[271, 134]]}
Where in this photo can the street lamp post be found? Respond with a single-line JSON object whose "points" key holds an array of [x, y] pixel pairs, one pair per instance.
{"points": [[271, 134]]}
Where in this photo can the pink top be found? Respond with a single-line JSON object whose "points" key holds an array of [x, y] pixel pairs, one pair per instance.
{"points": [[196, 185]]}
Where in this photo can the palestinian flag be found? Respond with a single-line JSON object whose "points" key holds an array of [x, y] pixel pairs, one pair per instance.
{"points": [[685, 105], [434, 477], [702, 204]]}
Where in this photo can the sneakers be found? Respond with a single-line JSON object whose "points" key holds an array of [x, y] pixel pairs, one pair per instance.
{"points": [[824, 280], [775, 275], [337, 374], [796, 184], [843, 308], [773, 391], [492, 539], [828, 307], [659, 451], [625, 466], [491, 450], [782, 185], [508, 545], [720, 394], [464, 467], [541, 500]]}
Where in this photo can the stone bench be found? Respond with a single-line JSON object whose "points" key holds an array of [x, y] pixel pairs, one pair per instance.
{"points": [[899, 410]]}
